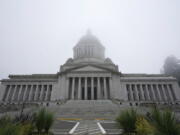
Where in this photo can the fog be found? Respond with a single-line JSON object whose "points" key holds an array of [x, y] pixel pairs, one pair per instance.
{"points": [[37, 36]]}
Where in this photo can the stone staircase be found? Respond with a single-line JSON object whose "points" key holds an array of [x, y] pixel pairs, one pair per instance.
{"points": [[87, 109]]}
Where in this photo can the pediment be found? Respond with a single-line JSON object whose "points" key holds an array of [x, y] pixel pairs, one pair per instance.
{"points": [[88, 69]]}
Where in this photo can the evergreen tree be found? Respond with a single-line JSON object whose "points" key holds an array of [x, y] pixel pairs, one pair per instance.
{"points": [[172, 67]]}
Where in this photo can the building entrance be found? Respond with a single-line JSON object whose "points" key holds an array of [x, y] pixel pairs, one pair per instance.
{"points": [[89, 93], [82, 94], [95, 93]]}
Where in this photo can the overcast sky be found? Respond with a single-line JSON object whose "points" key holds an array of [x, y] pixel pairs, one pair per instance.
{"points": [[37, 36]]}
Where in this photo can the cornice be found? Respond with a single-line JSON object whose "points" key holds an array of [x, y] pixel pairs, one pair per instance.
{"points": [[89, 64], [147, 79], [28, 80]]}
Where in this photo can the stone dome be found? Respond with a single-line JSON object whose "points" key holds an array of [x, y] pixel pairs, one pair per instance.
{"points": [[89, 48]]}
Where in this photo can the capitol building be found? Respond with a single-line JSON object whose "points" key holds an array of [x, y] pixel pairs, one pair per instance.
{"points": [[89, 75]]}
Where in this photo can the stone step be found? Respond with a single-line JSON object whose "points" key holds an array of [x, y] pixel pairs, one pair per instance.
{"points": [[87, 109]]}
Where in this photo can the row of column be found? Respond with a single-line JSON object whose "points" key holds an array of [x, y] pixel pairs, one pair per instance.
{"points": [[86, 51], [150, 92], [27, 93], [89, 88]]}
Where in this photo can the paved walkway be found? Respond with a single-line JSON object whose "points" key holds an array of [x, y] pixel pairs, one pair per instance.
{"points": [[87, 128], [61, 127]]}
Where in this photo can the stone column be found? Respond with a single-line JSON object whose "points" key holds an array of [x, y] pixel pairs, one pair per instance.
{"points": [[67, 88], [136, 92], [147, 92], [92, 88], [41, 94], [30, 93], [142, 92], [9, 93], [105, 88], [85, 88], [19, 94], [159, 93], [5, 96], [173, 92], [36, 93], [73, 84], [47, 92], [14, 93], [131, 93], [170, 93], [164, 93], [157, 97], [18, 90], [110, 87], [98, 88], [44, 92], [24, 94], [79, 88], [138, 88], [152, 92]]}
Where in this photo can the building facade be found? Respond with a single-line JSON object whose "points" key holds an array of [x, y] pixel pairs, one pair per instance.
{"points": [[89, 75]]}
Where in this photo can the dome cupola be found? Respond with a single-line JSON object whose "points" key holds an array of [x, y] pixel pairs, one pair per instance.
{"points": [[89, 48]]}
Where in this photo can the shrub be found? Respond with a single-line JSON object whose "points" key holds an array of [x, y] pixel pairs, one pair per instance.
{"points": [[40, 120], [5, 120], [26, 129], [44, 120], [143, 127], [49, 119], [127, 121], [164, 122], [9, 128]]}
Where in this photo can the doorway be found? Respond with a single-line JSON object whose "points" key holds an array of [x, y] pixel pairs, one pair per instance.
{"points": [[95, 93], [82, 93], [89, 93]]}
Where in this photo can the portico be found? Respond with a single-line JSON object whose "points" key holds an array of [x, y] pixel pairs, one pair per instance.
{"points": [[89, 88]]}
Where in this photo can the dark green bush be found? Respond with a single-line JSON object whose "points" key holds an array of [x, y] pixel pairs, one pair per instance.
{"points": [[164, 122], [127, 121]]}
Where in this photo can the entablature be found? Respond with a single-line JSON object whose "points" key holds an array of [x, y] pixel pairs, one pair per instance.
{"points": [[147, 79], [89, 75], [4, 81]]}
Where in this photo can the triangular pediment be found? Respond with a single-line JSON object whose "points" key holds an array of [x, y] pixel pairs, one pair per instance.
{"points": [[88, 68]]}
